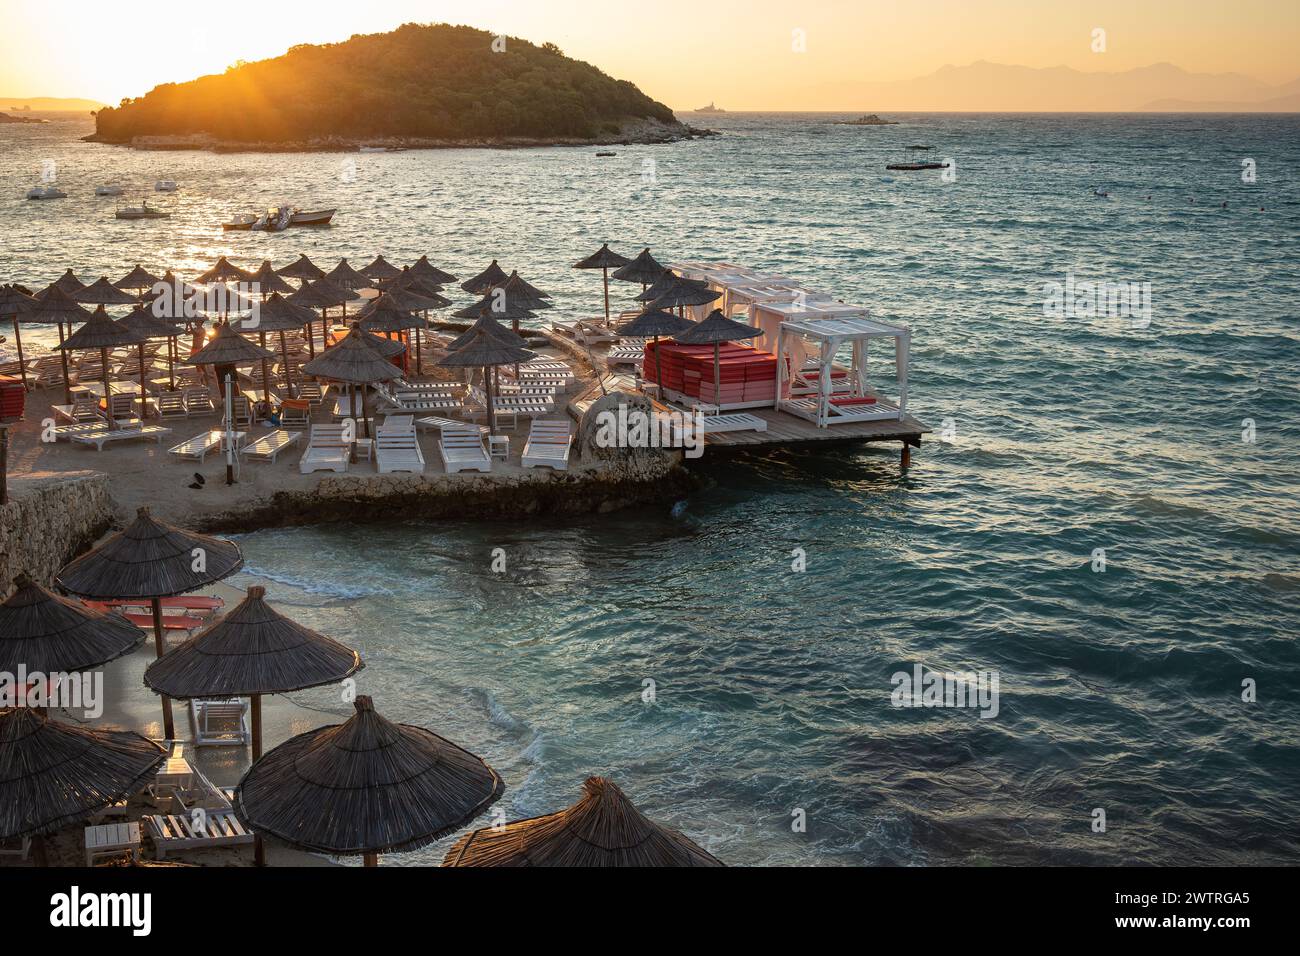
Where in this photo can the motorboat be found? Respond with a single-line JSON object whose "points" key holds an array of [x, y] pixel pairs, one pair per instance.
{"points": [[165, 186], [46, 192], [240, 221], [142, 211], [279, 218], [312, 217], [108, 190]]}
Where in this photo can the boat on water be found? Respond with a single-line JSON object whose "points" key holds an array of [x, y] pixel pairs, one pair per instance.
{"points": [[916, 160], [279, 218], [165, 186], [710, 108], [142, 211], [866, 120], [46, 192], [108, 190]]}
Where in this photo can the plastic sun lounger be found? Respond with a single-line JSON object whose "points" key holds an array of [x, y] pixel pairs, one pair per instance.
{"points": [[270, 445], [172, 405], [733, 422], [548, 444], [462, 450], [443, 424], [174, 832], [398, 449], [220, 722], [101, 438], [326, 450], [170, 622], [188, 602], [198, 447]]}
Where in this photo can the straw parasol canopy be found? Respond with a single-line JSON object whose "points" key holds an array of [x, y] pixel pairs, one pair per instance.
{"points": [[422, 268], [674, 291], [406, 300], [643, 268], [279, 314], [228, 347], [385, 314], [379, 269], [603, 829], [44, 632], [102, 333], [68, 283], [348, 277], [144, 325], [603, 259], [493, 328], [150, 559], [517, 285], [224, 271], [55, 305], [499, 306], [320, 294], [103, 292], [53, 775], [493, 275], [302, 269], [430, 291], [387, 348], [15, 303], [268, 280], [253, 650], [485, 350], [138, 278], [714, 330], [353, 360], [653, 323], [367, 786]]}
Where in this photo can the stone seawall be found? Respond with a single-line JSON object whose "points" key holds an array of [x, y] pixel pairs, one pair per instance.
{"points": [[49, 520]]}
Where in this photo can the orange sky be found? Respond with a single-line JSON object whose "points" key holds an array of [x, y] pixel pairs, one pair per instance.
{"points": [[691, 51]]}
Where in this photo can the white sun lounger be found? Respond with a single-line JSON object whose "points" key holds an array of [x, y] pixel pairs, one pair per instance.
{"points": [[733, 422], [462, 450], [270, 445], [100, 438], [327, 450], [220, 722], [198, 447], [548, 444], [173, 832], [442, 424], [397, 447], [172, 405]]}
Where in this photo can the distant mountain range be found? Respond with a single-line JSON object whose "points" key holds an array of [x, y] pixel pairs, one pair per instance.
{"points": [[997, 87], [48, 104]]}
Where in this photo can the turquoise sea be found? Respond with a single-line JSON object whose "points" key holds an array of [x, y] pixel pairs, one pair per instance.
{"points": [[1119, 689]]}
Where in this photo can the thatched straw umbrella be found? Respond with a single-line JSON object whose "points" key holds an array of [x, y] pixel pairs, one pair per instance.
{"points": [[222, 299], [251, 651], [14, 303], [55, 305], [144, 325], [46, 633], [673, 291], [715, 330], [484, 350], [268, 280], [493, 328], [356, 361], [53, 775], [380, 269], [641, 268], [422, 268], [102, 333], [320, 294], [345, 276], [491, 276], [138, 279], [151, 560], [103, 292], [224, 271], [366, 787], [653, 323], [428, 290], [603, 259], [68, 283], [603, 829], [385, 314], [278, 314], [302, 269], [228, 347]]}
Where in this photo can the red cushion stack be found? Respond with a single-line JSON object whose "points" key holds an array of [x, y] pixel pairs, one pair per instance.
{"points": [[745, 375]]}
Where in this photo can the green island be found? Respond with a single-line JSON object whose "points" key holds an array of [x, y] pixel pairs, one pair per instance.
{"points": [[421, 85]]}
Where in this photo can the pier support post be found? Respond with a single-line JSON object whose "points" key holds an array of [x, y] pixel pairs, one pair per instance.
{"points": [[4, 464], [907, 456]]}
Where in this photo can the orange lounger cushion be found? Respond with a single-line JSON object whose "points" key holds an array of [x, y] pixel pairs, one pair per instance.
{"points": [[847, 400]]}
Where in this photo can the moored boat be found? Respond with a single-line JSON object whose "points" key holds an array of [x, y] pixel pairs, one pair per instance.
{"points": [[46, 192], [165, 186], [108, 190], [916, 160], [142, 211]]}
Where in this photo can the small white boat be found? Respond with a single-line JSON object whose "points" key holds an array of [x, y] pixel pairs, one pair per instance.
{"points": [[241, 221], [165, 186], [46, 192], [313, 217], [108, 190], [279, 218], [142, 211]]}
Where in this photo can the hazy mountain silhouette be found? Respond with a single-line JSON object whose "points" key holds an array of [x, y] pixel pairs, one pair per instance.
{"points": [[997, 87]]}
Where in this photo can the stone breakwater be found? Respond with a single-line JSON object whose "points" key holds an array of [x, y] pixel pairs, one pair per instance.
{"points": [[49, 520]]}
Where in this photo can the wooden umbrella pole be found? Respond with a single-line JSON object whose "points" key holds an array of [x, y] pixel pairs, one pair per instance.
{"points": [[491, 412], [365, 414], [18, 341], [419, 367], [255, 707], [717, 375], [171, 361], [370, 859], [67, 388], [659, 369], [605, 272], [288, 380], [266, 371], [108, 392], [352, 453], [169, 727]]}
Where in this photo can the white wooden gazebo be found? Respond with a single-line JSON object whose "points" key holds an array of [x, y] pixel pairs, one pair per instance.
{"points": [[809, 384]]}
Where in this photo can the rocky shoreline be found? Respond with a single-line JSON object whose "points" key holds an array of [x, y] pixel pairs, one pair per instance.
{"points": [[640, 132]]}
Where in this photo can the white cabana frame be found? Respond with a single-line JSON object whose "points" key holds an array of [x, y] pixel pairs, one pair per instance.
{"points": [[819, 331]]}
